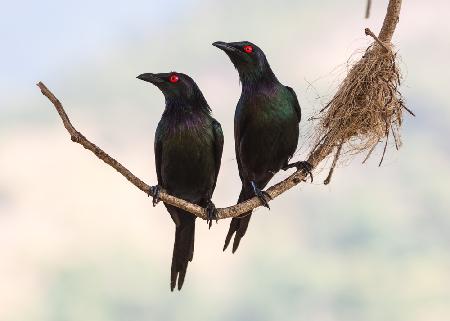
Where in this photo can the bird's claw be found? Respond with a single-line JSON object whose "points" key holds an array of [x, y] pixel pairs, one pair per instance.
{"points": [[154, 191], [211, 213], [305, 166], [262, 195]]}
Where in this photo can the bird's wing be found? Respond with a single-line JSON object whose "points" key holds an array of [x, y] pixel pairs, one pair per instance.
{"points": [[239, 129], [158, 156], [218, 145], [158, 146], [295, 102]]}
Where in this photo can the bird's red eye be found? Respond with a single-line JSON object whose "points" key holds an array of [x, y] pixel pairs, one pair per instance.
{"points": [[174, 78], [248, 49]]}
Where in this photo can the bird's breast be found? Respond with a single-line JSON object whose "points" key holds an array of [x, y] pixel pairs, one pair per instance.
{"points": [[268, 136], [187, 161]]}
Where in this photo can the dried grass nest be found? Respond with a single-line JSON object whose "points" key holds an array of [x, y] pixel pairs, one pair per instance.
{"points": [[367, 107]]}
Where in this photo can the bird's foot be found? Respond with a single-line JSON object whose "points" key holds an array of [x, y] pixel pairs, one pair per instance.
{"points": [[305, 166], [154, 191], [211, 213], [262, 195]]}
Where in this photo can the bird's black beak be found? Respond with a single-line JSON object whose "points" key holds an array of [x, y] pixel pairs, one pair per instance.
{"points": [[224, 46], [152, 78]]}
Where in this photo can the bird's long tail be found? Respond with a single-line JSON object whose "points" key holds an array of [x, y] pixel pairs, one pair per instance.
{"points": [[183, 249], [239, 225]]}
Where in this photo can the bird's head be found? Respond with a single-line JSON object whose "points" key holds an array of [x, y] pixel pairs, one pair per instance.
{"points": [[248, 58], [177, 87]]}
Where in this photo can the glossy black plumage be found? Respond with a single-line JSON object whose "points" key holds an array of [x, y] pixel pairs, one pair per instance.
{"points": [[266, 126], [188, 150]]}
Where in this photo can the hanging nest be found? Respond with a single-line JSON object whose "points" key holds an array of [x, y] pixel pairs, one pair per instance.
{"points": [[367, 108]]}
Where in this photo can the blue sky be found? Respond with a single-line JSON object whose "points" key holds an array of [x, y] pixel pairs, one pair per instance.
{"points": [[40, 37]]}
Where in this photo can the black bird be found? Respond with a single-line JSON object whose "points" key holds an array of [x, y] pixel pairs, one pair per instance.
{"points": [[266, 127], [188, 152]]}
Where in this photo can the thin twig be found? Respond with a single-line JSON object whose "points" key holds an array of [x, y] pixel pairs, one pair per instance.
{"points": [[317, 155], [384, 149], [370, 33], [369, 153], [408, 110], [326, 106], [396, 139], [333, 165], [369, 4]]}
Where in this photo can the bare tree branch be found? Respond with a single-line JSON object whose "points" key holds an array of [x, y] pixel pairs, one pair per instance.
{"points": [[319, 153], [369, 4], [232, 211], [79, 138], [390, 21], [369, 32]]}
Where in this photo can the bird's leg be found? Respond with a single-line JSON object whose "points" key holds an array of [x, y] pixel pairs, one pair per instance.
{"points": [[211, 213], [262, 195], [154, 191], [302, 165]]}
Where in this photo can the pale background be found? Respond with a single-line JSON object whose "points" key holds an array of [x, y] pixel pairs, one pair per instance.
{"points": [[78, 242]]}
